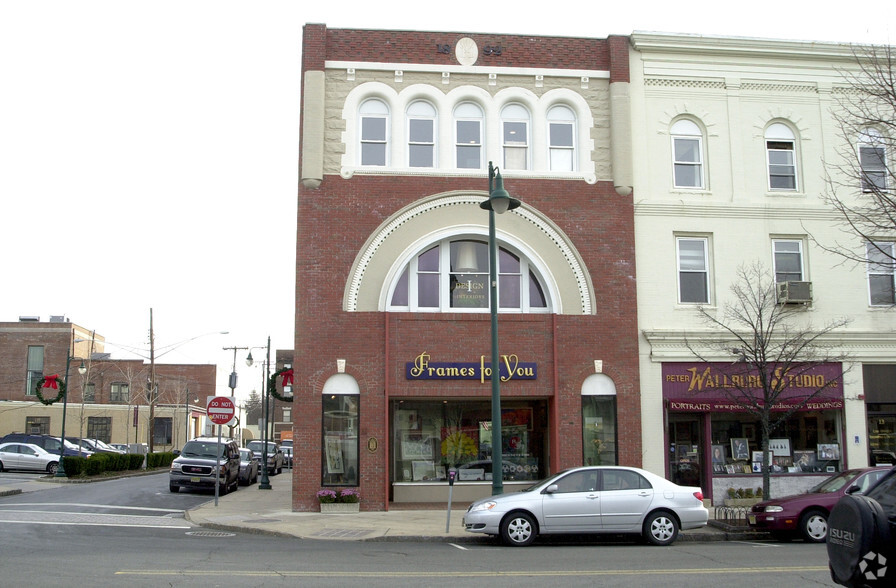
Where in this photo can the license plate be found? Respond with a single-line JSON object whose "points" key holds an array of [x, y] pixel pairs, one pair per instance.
{"points": [[194, 480], [752, 519]]}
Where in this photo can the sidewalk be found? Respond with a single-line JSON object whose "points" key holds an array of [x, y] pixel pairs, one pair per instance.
{"points": [[269, 511]]}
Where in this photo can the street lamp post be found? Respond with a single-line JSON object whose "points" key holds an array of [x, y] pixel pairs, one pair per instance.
{"points": [[82, 369], [499, 201], [264, 483]]}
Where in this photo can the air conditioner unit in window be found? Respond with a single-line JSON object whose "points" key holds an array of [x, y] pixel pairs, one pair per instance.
{"points": [[794, 292]]}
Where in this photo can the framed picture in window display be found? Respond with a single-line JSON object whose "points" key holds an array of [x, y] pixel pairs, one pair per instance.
{"points": [[515, 440], [740, 448], [718, 454], [805, 461], [828, 451], [424, 470], [415, 447], [408, 420], [334, 455], [781, 463], [757, 456], [779, 447], [749, 431]]}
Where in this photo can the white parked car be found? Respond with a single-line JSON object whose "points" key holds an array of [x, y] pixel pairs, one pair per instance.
{"points": [[27, 456], [600, 499]]}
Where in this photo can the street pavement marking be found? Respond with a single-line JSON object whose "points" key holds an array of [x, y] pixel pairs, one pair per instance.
{"points": [[467, 573]]}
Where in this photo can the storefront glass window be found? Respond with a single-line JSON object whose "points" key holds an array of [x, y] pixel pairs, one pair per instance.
{"points": [[340, 443], [808, 442], [599, 429], [431, 437]]}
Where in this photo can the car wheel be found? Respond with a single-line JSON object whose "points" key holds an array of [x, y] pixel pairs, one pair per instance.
{"points": [[858, 526], [814, 526], [660, 528], [173, 488], [1, 466], [518, 529], [51, 468]]}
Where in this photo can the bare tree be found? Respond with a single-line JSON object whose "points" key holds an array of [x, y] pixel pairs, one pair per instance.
{"points": [[253, 408], [773, 345], [859, 183]]}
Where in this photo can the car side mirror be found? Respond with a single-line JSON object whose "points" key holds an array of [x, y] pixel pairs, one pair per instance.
{"points": [[551, 489], [853, 489]]}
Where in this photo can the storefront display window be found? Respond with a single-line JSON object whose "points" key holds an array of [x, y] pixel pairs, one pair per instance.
{"points": [[339, 462], [599, 420], [431, 437], [808, 442]]}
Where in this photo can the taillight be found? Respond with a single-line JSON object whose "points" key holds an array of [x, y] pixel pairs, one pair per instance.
{"points": [[699, 495]]}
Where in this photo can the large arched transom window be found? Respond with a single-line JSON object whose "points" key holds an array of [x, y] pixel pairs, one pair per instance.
{"points": [[452, 276]]}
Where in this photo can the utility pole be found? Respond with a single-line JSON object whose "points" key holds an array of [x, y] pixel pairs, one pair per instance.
{"points": [[152, 383], [232, 382]]}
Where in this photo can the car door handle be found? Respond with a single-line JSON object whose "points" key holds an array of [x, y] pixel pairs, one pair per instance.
{"points": [[592, 496], [643, 493]]}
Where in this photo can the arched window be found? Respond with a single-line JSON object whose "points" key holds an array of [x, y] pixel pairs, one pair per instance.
{"points": [[515, 133], [374, 132], [780, 145], [562, 138], [468, 121], [687, 154], [340, 419], [599, 420], [873, 161], [453, 276], [421, 134]]}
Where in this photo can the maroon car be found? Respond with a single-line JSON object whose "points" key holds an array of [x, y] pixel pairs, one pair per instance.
{"points": [[807, 514]]}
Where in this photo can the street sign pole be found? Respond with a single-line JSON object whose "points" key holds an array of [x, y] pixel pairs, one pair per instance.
{"points": [[220, 411]]}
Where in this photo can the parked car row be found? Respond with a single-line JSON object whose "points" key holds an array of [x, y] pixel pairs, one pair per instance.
{"points": [[206, 461], [15, 455], [51, 444]]}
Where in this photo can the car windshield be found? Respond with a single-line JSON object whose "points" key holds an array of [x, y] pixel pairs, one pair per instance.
{"points": [[69, 445], [245, 454], [833, 484], [203, 449], [258, 445]]}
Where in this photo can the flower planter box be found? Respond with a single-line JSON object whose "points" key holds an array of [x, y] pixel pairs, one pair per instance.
{"points": [[340, 507]]}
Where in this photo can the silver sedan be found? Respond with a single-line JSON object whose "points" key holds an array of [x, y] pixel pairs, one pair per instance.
{"points": [[27, 456], [602, 499]]}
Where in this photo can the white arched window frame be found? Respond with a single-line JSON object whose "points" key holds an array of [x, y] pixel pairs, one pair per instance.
{"points": [[468, 133], [562, 140], [451, 275], [422, 125], [599, 420], [872, 150], [687, 155], [515, 123], [374, 135], [780, 147]]}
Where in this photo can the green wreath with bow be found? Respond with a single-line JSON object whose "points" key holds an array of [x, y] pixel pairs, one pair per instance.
{"points": [[53, 382], [287, 374]]}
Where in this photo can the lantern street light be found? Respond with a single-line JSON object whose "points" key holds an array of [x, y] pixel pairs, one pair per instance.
{"points": [[499, 201], [82, 369], [264, 483]]}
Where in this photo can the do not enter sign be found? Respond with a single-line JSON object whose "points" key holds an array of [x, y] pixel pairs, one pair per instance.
{"points": [[220, 410]]}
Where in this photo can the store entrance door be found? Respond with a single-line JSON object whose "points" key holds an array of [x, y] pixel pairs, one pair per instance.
{"points": [[686, 449]]}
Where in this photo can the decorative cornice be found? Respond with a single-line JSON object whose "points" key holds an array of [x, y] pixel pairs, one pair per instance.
{"points": [[762, 212]]}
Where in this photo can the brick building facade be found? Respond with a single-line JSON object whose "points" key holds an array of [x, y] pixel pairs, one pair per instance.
{"points": [[398, 129]]}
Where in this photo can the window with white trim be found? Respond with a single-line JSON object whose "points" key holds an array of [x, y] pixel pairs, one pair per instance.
{"points": [[687, 154], [35, 368], [374, 132], [468, 121], [453, 276], [881, 273], [693, 269], [120, 392], [562, 138], [515, 133], [780, 145], [788, 258], [873, 161], [421, 134]]}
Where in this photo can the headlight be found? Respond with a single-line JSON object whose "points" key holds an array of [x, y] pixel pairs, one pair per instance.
{"points": [[774, 508], [484, 506], [175, 467]]}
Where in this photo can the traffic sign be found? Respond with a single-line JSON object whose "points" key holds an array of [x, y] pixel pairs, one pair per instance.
{"points": [[220, 410]]}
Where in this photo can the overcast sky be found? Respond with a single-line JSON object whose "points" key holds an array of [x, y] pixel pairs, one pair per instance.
{"points": [[148, 150]]}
